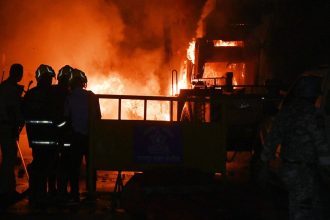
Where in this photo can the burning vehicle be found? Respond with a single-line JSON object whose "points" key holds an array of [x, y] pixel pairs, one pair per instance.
{"points": [[223, 65]]}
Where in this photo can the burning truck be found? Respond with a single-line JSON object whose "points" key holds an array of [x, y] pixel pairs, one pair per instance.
{"points": [[223, 64], [218, 72]]}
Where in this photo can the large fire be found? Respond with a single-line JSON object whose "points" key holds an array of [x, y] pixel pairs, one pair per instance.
{"points": [[134, 109], [130, 108], [159, 110], [218, 69], [124, 47]]}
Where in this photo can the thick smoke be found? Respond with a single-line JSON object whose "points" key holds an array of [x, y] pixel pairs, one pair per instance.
{"points": [[207, 9], [138, 42]]}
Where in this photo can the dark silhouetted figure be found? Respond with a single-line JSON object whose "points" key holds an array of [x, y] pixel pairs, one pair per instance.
{"points": [[299, 130], [11, 122], [77, 113], [229, 82], [62, 90], [39, 107]]}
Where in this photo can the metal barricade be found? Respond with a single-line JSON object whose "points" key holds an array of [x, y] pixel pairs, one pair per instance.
{"points": [[139, 145]]}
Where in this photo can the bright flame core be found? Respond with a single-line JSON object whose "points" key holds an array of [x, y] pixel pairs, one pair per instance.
{"points": [[221, 43], [219, 69], [191, 51], [130, 109], [214, 70]]}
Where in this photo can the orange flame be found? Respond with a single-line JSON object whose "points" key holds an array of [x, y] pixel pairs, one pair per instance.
{"points": [[191, 51], [130, 109], [221, 43], [213, 70], [217, 70]]}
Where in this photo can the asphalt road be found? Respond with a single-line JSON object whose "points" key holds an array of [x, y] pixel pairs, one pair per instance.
{"points": [[168, 196]]}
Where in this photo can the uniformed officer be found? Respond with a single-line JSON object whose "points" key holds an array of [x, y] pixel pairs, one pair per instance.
{"points": [[40, 117], [77, 113], [299, 130], [62, 90]]}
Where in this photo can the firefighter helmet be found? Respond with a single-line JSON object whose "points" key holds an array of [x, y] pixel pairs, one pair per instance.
{"points": [[77, 78], [44, 70], [64, 74]]}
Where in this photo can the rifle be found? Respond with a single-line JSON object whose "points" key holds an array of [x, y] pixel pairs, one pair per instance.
{"points": [[28, 87]]}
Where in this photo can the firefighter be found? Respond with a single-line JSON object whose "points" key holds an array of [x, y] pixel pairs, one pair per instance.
{"points": [[299, 129], [62, 88], [11, 122], [77, 113], [40, 117], [62, 91]]}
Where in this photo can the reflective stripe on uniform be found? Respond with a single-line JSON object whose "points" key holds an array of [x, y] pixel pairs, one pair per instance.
{"points": [[44, 142], [38, 122], [61, 124]]}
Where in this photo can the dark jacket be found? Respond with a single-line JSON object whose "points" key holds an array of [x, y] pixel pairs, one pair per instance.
{"points": [[11, 117]]}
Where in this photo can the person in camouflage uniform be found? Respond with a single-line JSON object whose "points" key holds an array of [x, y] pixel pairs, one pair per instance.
{"points": [[299, 131]]}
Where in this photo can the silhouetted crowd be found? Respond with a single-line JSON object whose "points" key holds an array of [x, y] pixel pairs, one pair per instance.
{"points": [[56, 121]]}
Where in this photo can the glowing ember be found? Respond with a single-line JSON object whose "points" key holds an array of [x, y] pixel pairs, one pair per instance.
{"points": [[221, 43]]}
